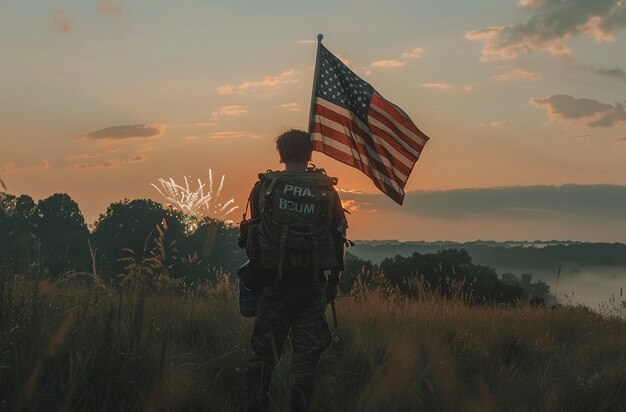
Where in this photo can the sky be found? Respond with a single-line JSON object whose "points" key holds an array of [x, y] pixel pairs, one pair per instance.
{"points": [[523, 102]]}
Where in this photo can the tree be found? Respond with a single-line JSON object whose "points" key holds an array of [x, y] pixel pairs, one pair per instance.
{"points": [[131, 225], [7, 205], [445, 270], [64, 234], [18, 230], [536, 289], [25, 229], [353, 267], [213, 245]]}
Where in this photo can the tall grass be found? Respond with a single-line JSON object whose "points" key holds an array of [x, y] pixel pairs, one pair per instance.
{"points": [[81, 345]]}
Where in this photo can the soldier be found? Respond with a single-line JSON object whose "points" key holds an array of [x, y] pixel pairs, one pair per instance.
{"points": [[294, 243]]}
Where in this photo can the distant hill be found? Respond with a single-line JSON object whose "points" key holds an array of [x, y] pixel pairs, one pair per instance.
{"points": [[540, 257]]}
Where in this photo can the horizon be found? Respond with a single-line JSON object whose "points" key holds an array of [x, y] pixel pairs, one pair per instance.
{"points": [[431, 205], [103, 98]]}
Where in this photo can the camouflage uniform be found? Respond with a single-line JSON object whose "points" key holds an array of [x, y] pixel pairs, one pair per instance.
{"points": [[293, 306]]}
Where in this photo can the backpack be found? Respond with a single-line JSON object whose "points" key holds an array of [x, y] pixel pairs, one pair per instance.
{"points": [[296, 213]]}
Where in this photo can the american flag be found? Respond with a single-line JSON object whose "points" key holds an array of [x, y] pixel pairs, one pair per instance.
{"points": [[353, 123]]}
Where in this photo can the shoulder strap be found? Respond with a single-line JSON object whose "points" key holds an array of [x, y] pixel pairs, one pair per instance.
{"points": [[268, 196], [251, 198], [282, 247], [245, 213]]}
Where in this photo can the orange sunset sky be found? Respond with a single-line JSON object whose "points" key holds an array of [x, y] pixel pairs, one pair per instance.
{"points": [[99, 99]]}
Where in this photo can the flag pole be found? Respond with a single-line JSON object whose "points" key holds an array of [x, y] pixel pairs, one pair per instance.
{"points": [[317, 60]]}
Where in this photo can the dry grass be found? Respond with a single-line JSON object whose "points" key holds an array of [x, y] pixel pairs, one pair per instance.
{"points": [[76, 345]]}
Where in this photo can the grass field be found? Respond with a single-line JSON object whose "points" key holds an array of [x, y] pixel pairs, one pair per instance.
{"points": [[79, 345]]}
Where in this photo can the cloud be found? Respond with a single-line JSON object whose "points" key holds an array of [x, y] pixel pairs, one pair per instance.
{"points": [[43, 165], [620, 142], [580, 111], [496, 123], [351, 191], [191, 125], [550, 24], [306, 42], [111, 163], [117, 133], [233, 110], [615, 72], [61, 23], [268, 82], [10, 167], [225, 134], [137, 158], [444, 87], [106, 7], [232, 134], [224, 90], [83, 156], [517, 74], [470, 87], [530, 3], [351, 206], [108, 164], [292, 107], [523, 202], [416, 53], [387, 63]]}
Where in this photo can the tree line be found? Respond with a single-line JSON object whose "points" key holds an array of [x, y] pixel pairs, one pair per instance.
{"points": [[51, 238], [545, 258], [449, 271]]}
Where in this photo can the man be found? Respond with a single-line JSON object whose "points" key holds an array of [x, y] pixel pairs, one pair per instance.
{"points": [[296, 243]]}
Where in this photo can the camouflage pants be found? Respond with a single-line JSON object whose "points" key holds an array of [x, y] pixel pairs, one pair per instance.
{"points": [[293, 306]]}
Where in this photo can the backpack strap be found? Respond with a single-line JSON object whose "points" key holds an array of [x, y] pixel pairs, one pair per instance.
{"points": [[282, 248], [325, 190], [245, 213], [273, 180], [269, 194], [315, 253], [325, 202]]}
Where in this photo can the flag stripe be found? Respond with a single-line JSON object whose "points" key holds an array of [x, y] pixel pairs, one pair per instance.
{"points": [[394, 150], [345, 154], [386, 134], [363, 165], [347, 123], [342, 134], [392, 137], [349, 160], [376, 133], [412, 140], [398, 114]]}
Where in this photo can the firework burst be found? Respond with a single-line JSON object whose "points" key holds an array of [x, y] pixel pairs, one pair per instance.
{"points": [[199, 202]]}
